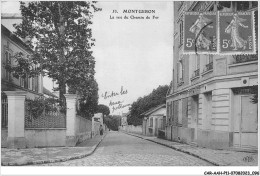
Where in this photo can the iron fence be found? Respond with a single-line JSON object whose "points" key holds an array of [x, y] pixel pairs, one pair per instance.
{"points": [[4, 115], [46, 119], [196, 72], [245, 58], [209, 66]]}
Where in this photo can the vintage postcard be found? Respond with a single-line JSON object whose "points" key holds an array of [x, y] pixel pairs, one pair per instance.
{"points": [[138, 83]]}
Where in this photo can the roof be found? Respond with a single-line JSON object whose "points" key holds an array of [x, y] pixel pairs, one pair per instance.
{"points": [[47, 92], [150, 111], [11, 16], [125, 114], [14, 38]]}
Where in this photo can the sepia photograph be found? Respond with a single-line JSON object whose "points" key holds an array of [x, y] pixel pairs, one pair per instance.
{"points": [[87, 85]]}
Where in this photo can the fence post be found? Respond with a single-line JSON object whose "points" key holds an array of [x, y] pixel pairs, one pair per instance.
{"points": [[71, 138], [16, 113]]}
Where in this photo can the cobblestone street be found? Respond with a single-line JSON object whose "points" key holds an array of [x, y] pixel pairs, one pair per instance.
{"points": [[119, 149]]}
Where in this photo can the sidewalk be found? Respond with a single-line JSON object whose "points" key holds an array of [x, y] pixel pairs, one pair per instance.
{"points": [[216, 157], [30, 156]]}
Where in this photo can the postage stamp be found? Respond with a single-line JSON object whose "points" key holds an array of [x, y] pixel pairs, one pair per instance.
{"points": [[200, 33], [237, 33]]}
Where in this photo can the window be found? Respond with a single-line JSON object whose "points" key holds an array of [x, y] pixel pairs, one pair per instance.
{"points": [[168, 111], [33, 83], [29, 83], [209, 62], [7, 62], [171, 112], [254, 4], [180, 113], [180, 72], [26, 82], [242, 5], [210, 58], [223, 5], [185, 112], [151, 122], [22, 81], [181, 33], [175, 112], [197, 65], [197, 62], [256, 28], [207, 110]]}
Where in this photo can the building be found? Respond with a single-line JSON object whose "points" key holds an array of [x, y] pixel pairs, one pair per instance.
{"points": [[124, 119], [154, 120], [209, 100], [48, 94], [10, 45]]}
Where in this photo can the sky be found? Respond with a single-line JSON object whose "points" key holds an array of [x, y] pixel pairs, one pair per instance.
{"points": [[134, 55]]}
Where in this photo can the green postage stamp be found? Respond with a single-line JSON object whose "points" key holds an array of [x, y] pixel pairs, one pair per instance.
{"points": [[224, 33], [200, 33], [237, 33]]}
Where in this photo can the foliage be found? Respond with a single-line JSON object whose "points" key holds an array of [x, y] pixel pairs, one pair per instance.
{"points": [[88, 102], [3, 95], [40, 106], [155, 98], [254, 91], [103, 109], [59, 34], [112, 122]]}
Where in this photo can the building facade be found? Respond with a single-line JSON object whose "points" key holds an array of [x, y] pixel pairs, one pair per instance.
{"points": [[154, 120], [124, 119], [10, 45], [209, 102]]}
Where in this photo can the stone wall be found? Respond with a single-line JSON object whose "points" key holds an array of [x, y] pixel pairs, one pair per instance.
{"points": [[4, 135], [132, 129], [83, 129], [45, 137]]}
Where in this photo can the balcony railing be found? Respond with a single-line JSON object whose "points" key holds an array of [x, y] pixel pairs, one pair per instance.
{"points": [[245, 58], [196, 72], [209, 66]]}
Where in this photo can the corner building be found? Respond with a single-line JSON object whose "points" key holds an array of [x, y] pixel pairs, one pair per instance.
{"points": [[209, 103]]}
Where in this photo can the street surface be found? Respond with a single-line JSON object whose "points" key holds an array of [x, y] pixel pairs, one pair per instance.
{"points": [[119, 149]]}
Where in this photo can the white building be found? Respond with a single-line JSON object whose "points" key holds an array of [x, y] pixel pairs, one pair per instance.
{"points": [[209, 102]]}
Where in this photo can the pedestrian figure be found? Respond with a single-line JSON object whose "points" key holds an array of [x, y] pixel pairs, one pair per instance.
{"points": [[101, 130]]}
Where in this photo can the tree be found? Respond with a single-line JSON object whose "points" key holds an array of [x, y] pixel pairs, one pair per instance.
{"points": [[112, 122], [103, 109], [254, 91], [88, 102], [59, 34], [155, 98]]}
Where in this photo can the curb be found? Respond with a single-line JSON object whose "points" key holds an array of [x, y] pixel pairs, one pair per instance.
{"points": [[178, 149], [55, 160]]}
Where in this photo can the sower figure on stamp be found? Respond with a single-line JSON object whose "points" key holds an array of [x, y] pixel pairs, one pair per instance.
{"points": [[201, 22], [101, 130], [232, 29]]}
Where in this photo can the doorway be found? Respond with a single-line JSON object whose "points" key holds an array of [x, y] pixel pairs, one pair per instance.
{"points": [[194, 114], [245, 122]]}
